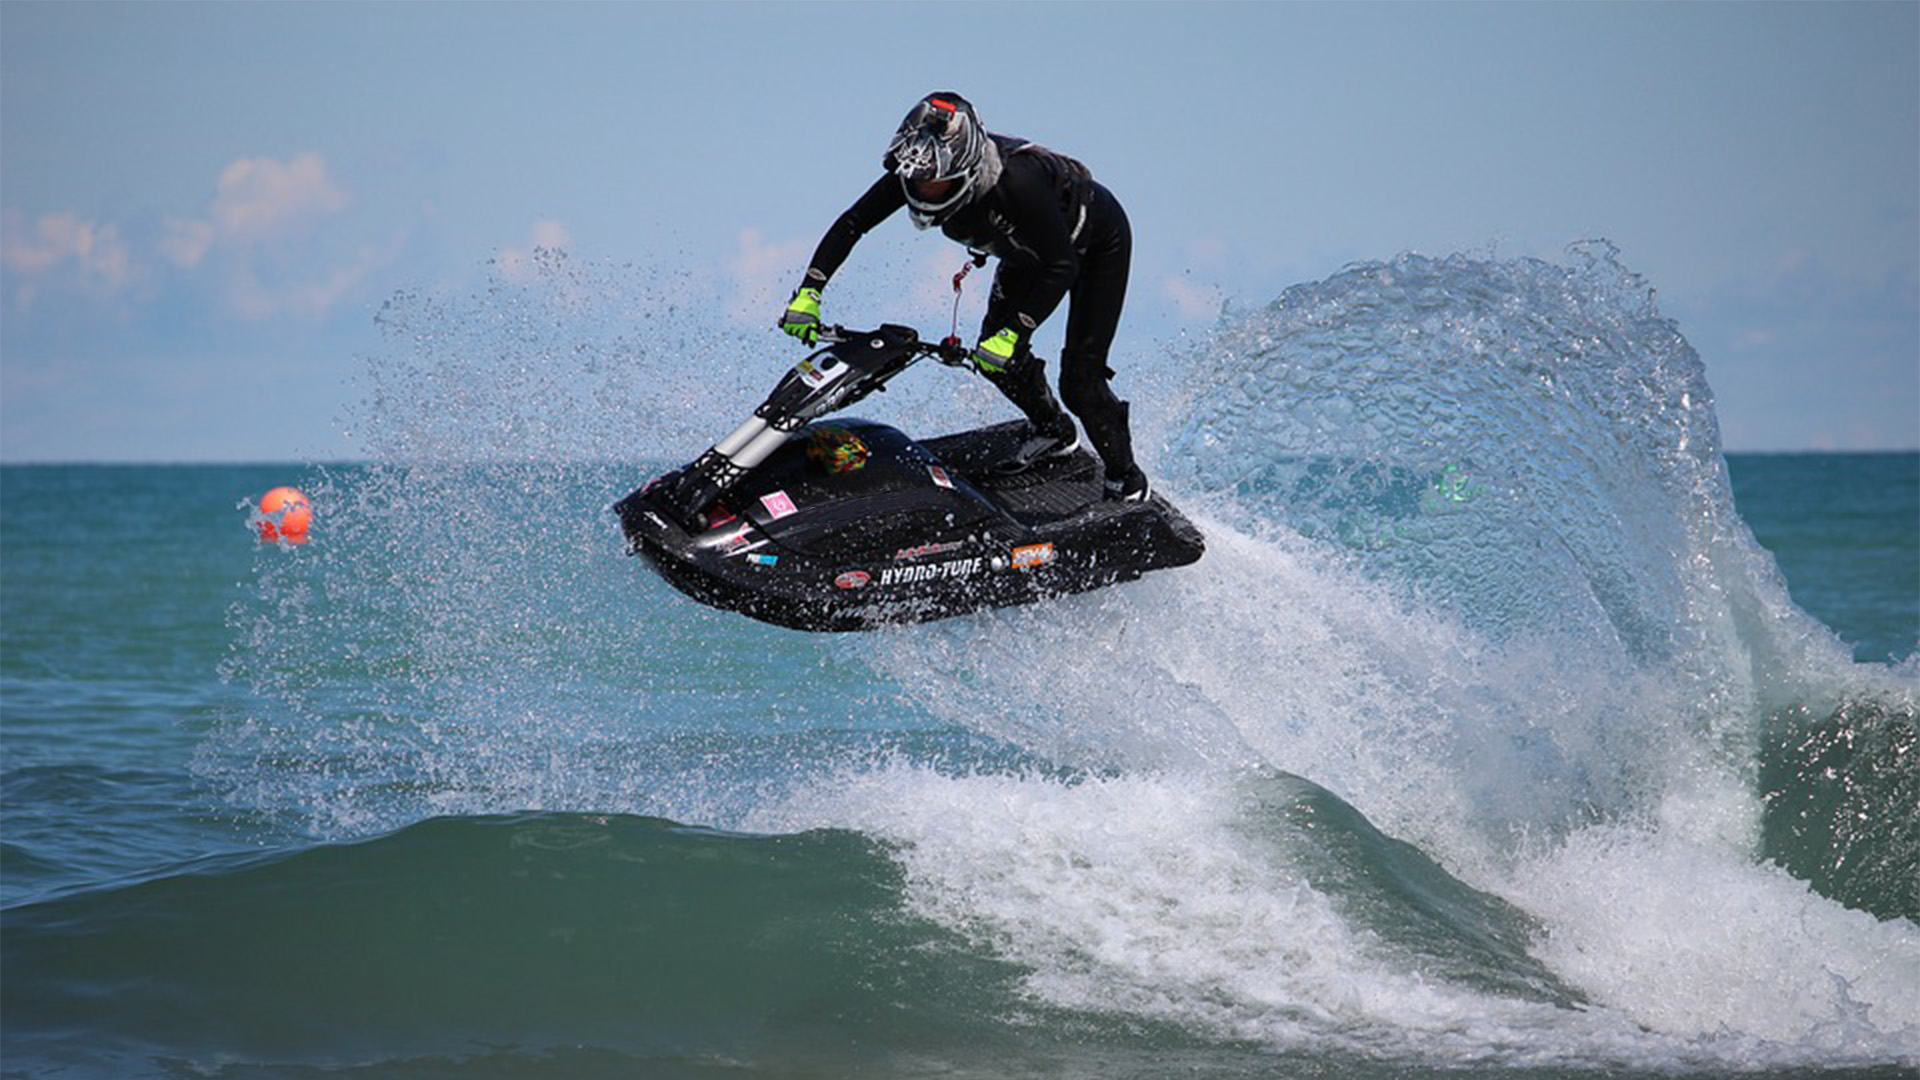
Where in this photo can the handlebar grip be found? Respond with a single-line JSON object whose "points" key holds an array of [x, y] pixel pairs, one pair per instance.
{"points": [[951, 352]]}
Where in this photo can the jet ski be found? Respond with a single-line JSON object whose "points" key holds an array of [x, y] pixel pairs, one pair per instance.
{"points": [[849, 524]]}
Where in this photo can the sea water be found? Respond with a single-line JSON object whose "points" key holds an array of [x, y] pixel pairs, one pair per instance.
{"points": [[1508, 728]]}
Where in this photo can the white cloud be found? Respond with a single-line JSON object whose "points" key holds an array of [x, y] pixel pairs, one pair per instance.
{"points": [[259, 223], [258, 235], [187, 242], [96, 250], [259, 197]]}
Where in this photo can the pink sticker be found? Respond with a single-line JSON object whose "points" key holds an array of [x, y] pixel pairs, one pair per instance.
{"points": [[778, 505]]}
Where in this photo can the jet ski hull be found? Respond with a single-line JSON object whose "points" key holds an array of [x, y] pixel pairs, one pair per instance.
{"points": [[919, 531]]}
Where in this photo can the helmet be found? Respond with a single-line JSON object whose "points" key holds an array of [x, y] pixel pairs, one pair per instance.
{"points": [[941, 139]]}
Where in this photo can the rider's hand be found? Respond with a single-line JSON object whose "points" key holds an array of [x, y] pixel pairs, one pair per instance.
{"points": [[993, 354], [802, 317]]}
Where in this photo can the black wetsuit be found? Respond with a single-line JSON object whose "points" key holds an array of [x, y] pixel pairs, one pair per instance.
{"points": [[1056, 231]]}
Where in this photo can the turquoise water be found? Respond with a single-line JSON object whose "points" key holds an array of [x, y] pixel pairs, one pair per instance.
{"points": [[1507, 729], [1844, 529]]}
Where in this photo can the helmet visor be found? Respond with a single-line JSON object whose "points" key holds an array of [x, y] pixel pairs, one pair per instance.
{"points": [[934, 192], [930, 200]]}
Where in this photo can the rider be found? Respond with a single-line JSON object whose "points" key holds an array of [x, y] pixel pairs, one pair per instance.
{"points": [[1055, 231]]}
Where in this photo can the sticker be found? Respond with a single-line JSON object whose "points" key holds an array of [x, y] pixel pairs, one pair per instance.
{"points": [[925, 550], [836, 450], [852, 579], [828, 370], [1032, 556], [940, 571], [742, 542], [940, 476], [763, 560], [778, 505]]}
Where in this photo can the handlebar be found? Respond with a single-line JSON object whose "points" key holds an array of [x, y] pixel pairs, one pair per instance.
{"points": [[948, 351]]}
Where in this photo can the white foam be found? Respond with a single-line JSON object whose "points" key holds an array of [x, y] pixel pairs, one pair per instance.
{"points": [[1145, 895], [1270, 652], [1138, 895], [1691, 938]]}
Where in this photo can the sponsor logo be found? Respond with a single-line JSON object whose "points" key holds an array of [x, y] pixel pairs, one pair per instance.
{"points": [[741, 544], [763, 560], [852, 579], [1032, 556], [940, 476], [821, 374], [925, 550], [940, 571], [778, 505]]}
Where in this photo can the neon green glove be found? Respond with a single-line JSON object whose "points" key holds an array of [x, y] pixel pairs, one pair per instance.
{"points": [[993, 354], [802, 317]]}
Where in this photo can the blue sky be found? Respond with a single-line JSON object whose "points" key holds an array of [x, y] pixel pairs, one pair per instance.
{"points": [[205, 204]]}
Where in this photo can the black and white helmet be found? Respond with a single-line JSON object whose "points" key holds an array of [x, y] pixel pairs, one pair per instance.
{"points": [[941, 139]]}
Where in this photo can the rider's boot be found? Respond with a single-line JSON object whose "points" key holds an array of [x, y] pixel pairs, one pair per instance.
{"points": [[1052, 432]]}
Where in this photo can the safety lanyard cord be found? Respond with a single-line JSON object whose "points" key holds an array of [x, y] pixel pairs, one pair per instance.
{"points": [[978, 259]]}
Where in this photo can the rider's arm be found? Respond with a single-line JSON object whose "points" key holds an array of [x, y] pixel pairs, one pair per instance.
{"points": [[877, 205]]}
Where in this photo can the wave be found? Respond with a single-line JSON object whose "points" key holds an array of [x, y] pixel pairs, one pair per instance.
{"points": [[636, 936], [1485, 732], [533, 931], [1840, 793], [1475, 568], [1529, 452]]}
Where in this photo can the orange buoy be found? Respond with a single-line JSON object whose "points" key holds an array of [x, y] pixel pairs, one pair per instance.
{"points": [[285, 514]]}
